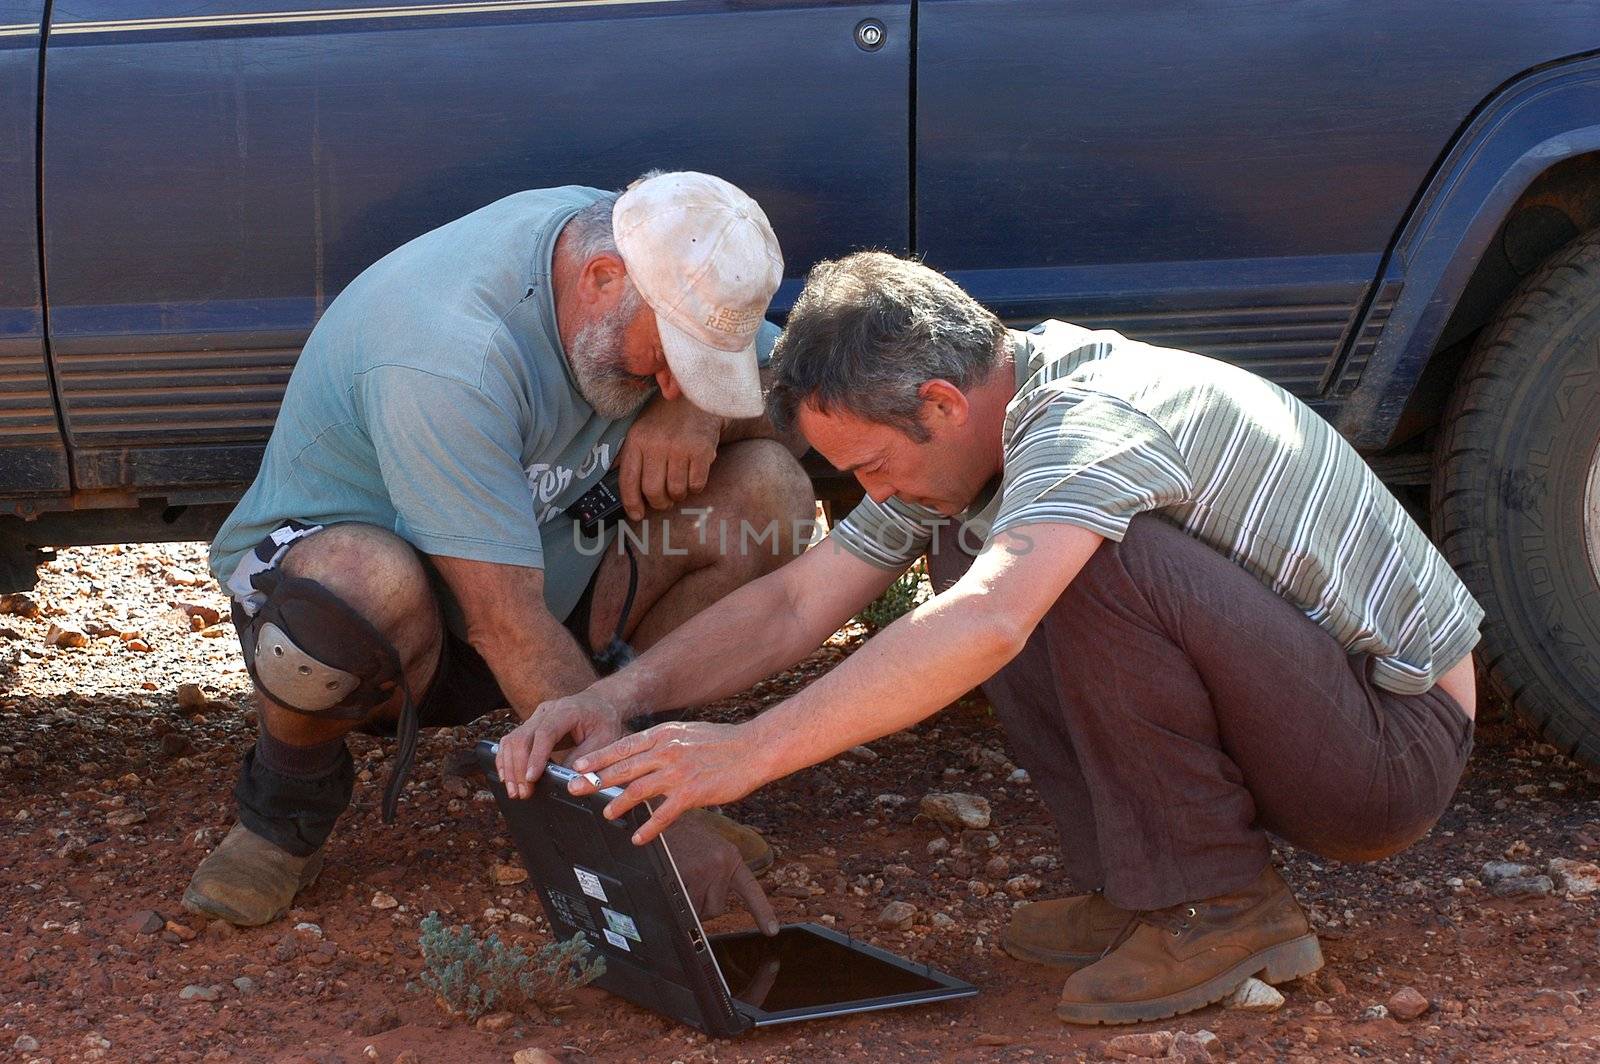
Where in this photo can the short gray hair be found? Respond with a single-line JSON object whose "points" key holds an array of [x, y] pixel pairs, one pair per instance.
{"points": [[591, 228], [869, 331]]}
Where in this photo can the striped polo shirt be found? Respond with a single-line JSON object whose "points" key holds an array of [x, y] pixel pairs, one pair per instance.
{"points": [[1103, 428]]}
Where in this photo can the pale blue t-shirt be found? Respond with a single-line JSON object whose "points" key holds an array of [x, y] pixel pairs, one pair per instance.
{"points": [[434, 399]]}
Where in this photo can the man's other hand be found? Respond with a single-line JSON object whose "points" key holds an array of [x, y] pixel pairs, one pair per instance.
{"points": [[589, 722], [712, 870], [667, 455], [688, 764]]}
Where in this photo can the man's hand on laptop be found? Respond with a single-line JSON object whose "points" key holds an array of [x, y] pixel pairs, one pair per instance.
{"points": [[712, 869], [688, 764], [590, 723]]}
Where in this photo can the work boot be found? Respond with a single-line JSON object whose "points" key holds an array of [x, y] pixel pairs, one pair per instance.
{"points": [[1065, 932], [754, 849], [248, 881], [1186, 957]]}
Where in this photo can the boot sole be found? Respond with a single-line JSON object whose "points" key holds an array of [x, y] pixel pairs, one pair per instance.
{"points": [[1049, 957], [1276, 964]]}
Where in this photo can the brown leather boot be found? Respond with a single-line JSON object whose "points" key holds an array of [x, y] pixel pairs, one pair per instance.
{"points": [[1186, 957], [248, 881], [1065, 932]]}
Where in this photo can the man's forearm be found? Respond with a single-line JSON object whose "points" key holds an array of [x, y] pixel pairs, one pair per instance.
{"points": [[713, 655], [931, 656], [907, 672], [535, 663], [532, 655], [760, 427]]}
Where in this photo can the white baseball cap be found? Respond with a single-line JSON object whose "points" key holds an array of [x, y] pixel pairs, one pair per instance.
{"points": [[705, 259]]}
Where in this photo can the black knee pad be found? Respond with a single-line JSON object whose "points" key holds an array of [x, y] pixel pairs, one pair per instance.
{"points": [[310, 651]]}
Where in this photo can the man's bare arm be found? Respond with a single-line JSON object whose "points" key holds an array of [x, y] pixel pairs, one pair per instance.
{"points": [[669, 450], [912, 669], [761, 428], [757, 631], [531, 654]]}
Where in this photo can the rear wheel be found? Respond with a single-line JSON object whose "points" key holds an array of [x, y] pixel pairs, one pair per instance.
{"points": [[1516, 497]]}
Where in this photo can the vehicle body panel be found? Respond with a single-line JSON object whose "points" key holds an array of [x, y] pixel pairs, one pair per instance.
{"points": [[215, 176], [1229, 176], [1223, 176], [1531, 126], [32, 455]]}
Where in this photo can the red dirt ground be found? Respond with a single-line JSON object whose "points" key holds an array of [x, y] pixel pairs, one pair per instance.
{"points": [[110, 792]]}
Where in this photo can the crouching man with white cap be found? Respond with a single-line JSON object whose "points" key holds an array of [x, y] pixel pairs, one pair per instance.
{"points": [[419, 547]]}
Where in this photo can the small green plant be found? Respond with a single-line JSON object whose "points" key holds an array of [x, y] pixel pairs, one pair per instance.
{"points": [[474, 977], [902, 596]]}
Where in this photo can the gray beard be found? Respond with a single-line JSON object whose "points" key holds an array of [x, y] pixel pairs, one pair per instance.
{"points": [[596, 358]]}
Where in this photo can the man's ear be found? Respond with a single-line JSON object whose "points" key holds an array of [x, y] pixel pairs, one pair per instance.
{"points": [[671, 390], [943, 402], [603, 279]]}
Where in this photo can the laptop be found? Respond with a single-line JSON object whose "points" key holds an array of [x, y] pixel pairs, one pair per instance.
{"points": [[630, 903]]}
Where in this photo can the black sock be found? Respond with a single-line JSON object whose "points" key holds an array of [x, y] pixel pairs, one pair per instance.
{"points": [[295, 812], [301, 762]]}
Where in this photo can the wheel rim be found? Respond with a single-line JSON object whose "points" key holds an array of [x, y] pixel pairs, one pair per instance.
{"points": [[1591, 514]]}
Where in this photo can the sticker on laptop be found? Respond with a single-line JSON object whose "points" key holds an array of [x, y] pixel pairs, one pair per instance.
{"points": [[622, 925], [617, 941], [571, 908], [590, 883]]}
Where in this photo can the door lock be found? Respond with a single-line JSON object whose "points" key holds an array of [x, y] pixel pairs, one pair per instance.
{"points": [[870, 35]]}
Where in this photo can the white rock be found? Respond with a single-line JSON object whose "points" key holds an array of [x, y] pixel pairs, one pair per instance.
{"points": [[380, 900], [25, 1043], [1494, 871], [957, 809], [533, 1056], [897, 916], [1023, 885], [1578, 878], [1255, 996]]}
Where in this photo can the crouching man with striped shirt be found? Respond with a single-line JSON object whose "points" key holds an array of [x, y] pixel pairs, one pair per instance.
{"points": [[1198, 614]]}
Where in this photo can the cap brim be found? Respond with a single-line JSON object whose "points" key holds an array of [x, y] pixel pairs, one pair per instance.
{"points": [[725, 383]]}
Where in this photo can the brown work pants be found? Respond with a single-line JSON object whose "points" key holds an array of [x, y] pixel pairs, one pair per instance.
{"points": [[1172, 710]]}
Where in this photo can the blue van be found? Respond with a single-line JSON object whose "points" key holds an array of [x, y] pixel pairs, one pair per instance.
{"points": [[1390, 208]]}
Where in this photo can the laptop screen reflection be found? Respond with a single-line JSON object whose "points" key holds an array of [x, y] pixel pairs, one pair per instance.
{"points": [[797, 970]]}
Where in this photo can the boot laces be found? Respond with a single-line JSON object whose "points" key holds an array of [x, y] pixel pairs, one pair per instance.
{"points": [[1174, 919]]}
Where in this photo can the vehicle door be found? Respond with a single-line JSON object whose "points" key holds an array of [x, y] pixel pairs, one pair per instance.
{"points": [[33, 457], [1219, 175], [217, 170]]}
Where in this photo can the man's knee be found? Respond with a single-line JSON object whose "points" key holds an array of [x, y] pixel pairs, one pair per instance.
{"points": [[374, 571], [365, 574], [378, 575], [764, 490], [763, 478]]}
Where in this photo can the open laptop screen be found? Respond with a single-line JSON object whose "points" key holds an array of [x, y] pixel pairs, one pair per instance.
{"points": [[800, 970]]}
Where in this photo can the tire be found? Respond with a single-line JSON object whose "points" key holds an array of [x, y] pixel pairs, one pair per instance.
{"points": [[1516, 497]]}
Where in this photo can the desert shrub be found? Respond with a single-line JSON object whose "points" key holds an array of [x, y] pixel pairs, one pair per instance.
{"points": [[473, 977], [902, 596]]}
